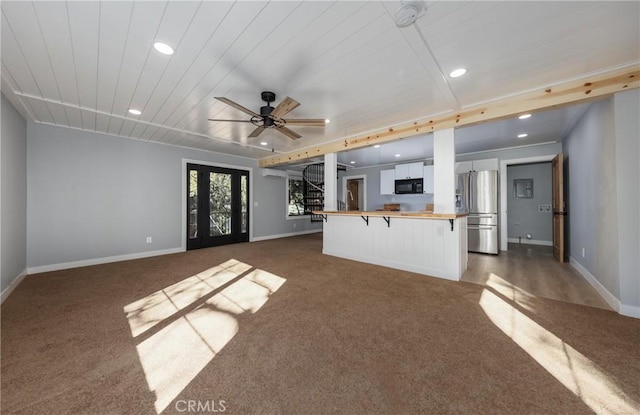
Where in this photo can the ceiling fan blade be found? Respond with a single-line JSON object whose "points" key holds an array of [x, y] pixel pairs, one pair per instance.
{"points": [[289, 133], [257, 132], [284, 107], [310, 122], [237, 106], [213, 119]]}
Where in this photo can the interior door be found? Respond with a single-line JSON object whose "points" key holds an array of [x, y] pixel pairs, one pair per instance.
{"points": [[217, 206], [352, 195], [557, 201]]}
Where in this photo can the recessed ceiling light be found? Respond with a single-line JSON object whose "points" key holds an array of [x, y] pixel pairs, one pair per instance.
{"points": [[397, 155], [264, 143], [352, 162], [163, 48], [457, 72], [376, 146], [327, 121], [134, 111], [523, 135], [524, 116]]}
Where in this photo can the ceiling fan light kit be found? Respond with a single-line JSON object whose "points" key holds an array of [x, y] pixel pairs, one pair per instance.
{"points": [[271, 117]]}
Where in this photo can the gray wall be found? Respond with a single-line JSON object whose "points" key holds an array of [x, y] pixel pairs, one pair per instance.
{"points": [[590, 184], [627, 124], [13, 210], [94, 196], [524, 217]]}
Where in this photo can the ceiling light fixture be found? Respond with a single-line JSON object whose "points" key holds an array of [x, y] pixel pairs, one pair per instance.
{"points": [[409, 12], [456, 73], [376, 146], [352, 162], [163, 48], [264, 143], [134, 111], [523, 135], [327, 121], [397, 155], [524, 116]]}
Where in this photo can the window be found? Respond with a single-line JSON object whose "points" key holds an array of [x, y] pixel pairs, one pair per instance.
{"points": [[295, 195]]}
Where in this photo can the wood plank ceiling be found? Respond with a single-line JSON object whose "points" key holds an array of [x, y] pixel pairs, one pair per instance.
{"points": [[84, 64]]}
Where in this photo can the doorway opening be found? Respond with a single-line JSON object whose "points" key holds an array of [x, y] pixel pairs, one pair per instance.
{"points": [[217, 206], [355, 192], [532, 206]]}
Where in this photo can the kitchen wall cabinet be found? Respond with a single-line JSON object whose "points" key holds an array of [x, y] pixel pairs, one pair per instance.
{"points": [[387, 182], [428, 179], [409, 171], [476, 165]]}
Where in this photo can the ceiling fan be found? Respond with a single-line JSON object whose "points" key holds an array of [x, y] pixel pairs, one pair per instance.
{"points": [[271, 117]]}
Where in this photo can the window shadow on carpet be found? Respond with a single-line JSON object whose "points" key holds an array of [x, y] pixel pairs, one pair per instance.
{"points": [[178, 330]]}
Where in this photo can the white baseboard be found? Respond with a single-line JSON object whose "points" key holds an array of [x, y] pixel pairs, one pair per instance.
{"points": [[284, 235], [530, 242], [611, 299], [98, 261], [16, 281]]}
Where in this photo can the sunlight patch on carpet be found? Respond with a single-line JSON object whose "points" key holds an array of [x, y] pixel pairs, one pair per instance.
{"points": [[181, 328], [512, 292], [571, 368]]}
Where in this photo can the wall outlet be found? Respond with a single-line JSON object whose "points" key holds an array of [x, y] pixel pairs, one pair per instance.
{"points": [[149, 239], [544, 208], [583, 253]]}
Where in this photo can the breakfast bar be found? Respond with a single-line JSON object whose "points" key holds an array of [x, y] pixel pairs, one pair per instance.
{"points": [[432, 244]]}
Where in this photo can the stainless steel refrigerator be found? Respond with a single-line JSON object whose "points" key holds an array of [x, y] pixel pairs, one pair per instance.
{"points": [[477, 193]]}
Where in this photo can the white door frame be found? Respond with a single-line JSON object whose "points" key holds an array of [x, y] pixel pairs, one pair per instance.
{"points": [[503, 192], [364, 189]]}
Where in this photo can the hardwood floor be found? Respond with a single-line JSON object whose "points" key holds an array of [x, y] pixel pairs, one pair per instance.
{"points": [[532, 270]]}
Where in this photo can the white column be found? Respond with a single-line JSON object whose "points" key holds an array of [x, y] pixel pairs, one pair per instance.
{"points": [[331, 181], [444, 175]]}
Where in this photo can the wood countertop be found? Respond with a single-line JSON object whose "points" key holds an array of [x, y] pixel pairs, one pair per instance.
{"points": [[393, 214]]}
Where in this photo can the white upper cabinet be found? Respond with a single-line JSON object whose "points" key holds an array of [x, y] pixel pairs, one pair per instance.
{"points": [[476, 165], [387, 182], [409, 171], [428, 179]]}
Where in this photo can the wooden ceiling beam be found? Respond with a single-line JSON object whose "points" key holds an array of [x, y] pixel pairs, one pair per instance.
{"points": [[573, 92]]}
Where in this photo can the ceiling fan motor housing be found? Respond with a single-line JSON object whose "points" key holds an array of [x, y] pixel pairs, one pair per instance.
{"points": [[265, 112]]}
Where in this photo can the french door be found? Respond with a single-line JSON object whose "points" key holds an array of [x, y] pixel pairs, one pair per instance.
{"points": [[217, 206]]}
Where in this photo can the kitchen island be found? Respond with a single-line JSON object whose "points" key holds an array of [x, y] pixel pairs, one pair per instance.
{"points": [[432, 244]]}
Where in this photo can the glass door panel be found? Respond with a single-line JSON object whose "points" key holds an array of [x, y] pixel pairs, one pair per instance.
{"points": [[192, 205], [244, 203], [220, 201]]}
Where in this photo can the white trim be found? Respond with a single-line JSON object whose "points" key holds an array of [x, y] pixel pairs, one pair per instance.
{"points": [[185, 161], [606, 295], [526, 241], [285, 235], [629, 310], [99, 261], [16, 281], [364, 188], [503, 192]]}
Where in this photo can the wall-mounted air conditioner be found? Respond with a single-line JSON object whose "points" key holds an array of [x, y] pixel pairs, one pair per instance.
{"points": [[274, 173]]}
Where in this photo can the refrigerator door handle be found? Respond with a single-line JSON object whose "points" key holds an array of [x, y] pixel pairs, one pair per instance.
{"points": [[486, 228]]}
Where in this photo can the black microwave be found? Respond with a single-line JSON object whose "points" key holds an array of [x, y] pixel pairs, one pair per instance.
{"points": [[408, 186]]}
